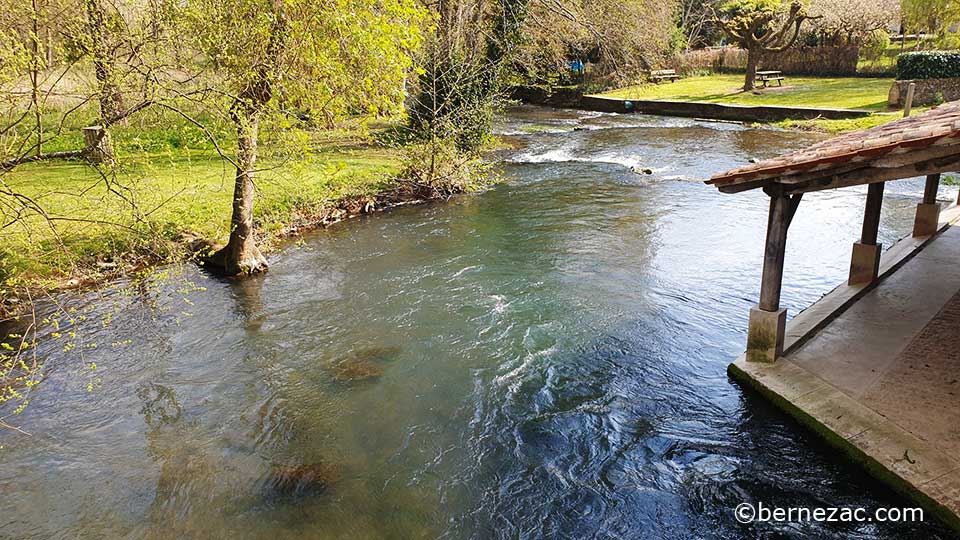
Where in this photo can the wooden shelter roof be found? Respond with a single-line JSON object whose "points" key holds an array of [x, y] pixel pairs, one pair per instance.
{"points": [[927, 143]]}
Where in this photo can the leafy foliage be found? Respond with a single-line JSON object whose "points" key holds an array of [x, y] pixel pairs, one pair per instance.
{"points": [[462, 68], [856, 21], [932, 16], [338, 57], [619, 39], [928, 65]]}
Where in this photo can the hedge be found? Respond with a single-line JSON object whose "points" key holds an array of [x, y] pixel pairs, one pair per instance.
{"points": [[928, 65]]}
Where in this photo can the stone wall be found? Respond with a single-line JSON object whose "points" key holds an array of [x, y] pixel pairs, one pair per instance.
{"points": [[927, 92], [715, 111]]}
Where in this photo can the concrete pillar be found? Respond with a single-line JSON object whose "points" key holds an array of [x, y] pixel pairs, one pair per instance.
{"points": [[865, 261], [928, 212], [765, 335], [767, 321]]}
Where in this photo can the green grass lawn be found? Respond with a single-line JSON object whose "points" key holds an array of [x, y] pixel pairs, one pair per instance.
{"points": [[184, 190], [845, 92]]}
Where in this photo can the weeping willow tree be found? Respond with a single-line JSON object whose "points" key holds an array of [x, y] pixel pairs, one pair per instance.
{"points": [[934, 16], [264, 58], [472, 44], [619, 37]]}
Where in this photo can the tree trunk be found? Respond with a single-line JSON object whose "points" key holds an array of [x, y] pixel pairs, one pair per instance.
{"points": [[97, 146], [241, 256], [35, 77], [108, 93], [749, 80]]}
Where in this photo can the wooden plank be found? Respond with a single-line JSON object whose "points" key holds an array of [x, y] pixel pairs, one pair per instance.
{"points": [[868, 175]]}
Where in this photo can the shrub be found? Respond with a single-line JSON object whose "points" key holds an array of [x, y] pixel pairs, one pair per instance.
{"points": [[928, 65], [678, 40], [948, 41], [875, 45]]}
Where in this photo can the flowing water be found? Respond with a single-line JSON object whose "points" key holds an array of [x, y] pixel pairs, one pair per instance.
{"points": [[553, 356]]}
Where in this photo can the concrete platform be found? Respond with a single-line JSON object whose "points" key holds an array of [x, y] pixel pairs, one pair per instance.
{"points": [[875, 369]]}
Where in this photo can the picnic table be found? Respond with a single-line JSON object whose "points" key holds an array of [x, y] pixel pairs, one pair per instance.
{"points": [[767, 76], [658, 75]]}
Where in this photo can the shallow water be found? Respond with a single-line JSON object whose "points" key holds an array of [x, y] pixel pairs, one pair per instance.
{"points": [[553, 356]]}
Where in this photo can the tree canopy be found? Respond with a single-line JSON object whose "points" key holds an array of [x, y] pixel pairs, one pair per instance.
{"points": [[762, 26]]}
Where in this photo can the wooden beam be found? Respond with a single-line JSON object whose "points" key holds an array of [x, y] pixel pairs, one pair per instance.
{"points": [[930, 188], [745, 186], [871, 214], [869, 175], [905, 156], [814, 175], [899, 160], [782, 209]]}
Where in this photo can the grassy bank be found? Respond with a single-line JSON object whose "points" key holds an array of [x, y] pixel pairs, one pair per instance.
{"points": [[843, 92], [165, 191], [844, 126], [840, 92]]}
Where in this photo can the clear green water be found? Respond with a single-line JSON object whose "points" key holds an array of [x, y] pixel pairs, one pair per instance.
{"points": [[553, 356]]}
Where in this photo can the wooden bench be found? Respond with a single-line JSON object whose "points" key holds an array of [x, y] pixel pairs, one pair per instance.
{"points": [[767, 76], [659, 75]]}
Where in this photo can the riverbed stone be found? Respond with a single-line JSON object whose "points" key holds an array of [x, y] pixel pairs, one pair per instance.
{"points": [[302, 479], [362, 364]]}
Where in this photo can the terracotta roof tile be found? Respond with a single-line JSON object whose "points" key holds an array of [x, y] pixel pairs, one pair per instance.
{"points": [[906, 134]]}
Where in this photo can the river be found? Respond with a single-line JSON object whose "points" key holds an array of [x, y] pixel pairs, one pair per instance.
{"points": [[553, 355]]}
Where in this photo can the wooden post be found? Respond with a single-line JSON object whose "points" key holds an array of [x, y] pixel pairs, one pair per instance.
{"points": [[781, 212], [865, 261], [930, 188], [928, 211], [871, 213], [767, 321], [908, 102]]}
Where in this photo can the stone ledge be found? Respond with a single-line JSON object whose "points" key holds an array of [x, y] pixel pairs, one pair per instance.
{"points": [[716, 111], [929, 477]]}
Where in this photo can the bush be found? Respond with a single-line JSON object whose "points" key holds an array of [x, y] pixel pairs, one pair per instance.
{"points": [[439, 168], [875, 45], [678, 40], [928, 65], [948, 41]]}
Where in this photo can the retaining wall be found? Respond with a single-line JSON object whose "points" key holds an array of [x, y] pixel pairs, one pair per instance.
{"points": [[715, 111], [927, 92]]}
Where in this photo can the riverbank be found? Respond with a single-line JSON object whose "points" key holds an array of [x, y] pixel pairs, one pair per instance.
{"points": [[828, 105], [539, 347], [166, 206]]}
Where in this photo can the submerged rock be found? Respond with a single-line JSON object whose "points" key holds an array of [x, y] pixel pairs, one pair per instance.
{"points": [[354, 369], [361, 364], [302, 479]]}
